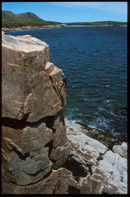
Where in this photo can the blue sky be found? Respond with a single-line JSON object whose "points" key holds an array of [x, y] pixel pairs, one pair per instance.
{"points": [[71, 11]]}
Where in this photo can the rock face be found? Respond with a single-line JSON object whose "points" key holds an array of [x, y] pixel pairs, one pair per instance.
{"points": [[41, 152], [34, 140]]}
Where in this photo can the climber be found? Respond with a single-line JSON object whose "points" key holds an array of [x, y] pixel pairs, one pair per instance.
{"points": [[64, 82]]}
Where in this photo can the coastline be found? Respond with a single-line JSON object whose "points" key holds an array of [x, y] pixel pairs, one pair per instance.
{"points": [[31, 27], [55, 26], [92, 168], [96, 26], [96, 134]]}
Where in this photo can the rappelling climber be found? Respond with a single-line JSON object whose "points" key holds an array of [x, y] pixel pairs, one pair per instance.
{"points": [[64, 82]]}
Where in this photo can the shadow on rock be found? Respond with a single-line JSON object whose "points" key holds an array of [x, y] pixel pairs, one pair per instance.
{"points": [[76, 168]]}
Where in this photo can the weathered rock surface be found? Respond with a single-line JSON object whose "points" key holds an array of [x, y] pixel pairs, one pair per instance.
{"points": [[121, 149], [34, 140], [105, 139], [106, 171], [58, 182], [26, 80], [41, 152]]}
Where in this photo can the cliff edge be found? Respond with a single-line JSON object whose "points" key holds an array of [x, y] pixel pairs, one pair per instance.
{"points": [[34, 140], [42, 153]]}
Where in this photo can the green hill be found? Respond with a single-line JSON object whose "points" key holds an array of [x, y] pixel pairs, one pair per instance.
{"points": [[9, 19], [98, 23]]}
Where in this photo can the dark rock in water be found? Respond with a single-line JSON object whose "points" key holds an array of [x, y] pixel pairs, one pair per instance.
{"points": [[105, 139], [121, 112]]}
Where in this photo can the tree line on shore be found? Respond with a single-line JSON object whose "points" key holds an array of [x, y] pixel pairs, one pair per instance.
{"points": [[11, 20], [98, 23]]}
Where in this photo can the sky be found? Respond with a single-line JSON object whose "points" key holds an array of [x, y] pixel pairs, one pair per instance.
{"points": [[72, 11]]}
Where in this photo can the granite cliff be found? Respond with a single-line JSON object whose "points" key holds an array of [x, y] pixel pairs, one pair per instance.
{"points": [[42, 153], [34, 140]]}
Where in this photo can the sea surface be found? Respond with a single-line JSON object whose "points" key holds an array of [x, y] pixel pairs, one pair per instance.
{"points": [[95, 61]]}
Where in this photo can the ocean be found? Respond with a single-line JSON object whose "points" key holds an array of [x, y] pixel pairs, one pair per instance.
{"points": [[95, 61]]}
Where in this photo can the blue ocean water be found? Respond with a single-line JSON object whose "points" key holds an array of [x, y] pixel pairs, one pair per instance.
{"points": [[95, 60]]}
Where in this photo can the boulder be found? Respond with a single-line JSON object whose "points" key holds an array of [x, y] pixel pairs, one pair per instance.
{"points": [[121, 149], [26, 80], [113, 163]]}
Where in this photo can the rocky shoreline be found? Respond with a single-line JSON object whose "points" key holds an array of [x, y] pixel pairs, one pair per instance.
{"points": [[43, 153], [53, 26], [92, 168], [105, 139], [32, 27], [96, 168]]}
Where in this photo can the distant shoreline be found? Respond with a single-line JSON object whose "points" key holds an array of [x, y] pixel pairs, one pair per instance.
{"points": [[96, 25], [31, 27], [54, 26]]}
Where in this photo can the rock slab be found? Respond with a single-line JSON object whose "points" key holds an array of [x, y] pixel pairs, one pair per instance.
{"points": [[106, 170]]}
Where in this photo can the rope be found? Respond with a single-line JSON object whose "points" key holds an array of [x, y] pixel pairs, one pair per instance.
{"points": [[53, 60]]}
